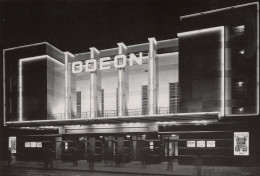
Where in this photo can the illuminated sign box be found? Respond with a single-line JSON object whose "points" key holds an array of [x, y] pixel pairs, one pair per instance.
{"points": [[200, 143], [27, 144], [211, 143], [12, 144], [33, 144], [39, 144], [241, 143], [191, 144]]}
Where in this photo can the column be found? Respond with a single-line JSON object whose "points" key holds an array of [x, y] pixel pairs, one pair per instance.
{"points": [[152, 77], [58, 146], [70, 87], [95, 83], [123, 83]]}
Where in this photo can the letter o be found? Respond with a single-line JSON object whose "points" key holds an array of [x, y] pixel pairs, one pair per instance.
{"points": [[117, 64], [77, 67]]}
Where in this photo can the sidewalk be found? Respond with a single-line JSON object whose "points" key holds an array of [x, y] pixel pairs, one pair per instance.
{"points": [[153, 169]]}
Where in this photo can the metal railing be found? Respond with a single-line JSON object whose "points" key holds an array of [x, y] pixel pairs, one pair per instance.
{"points": [[106, 113], [163, 110]]}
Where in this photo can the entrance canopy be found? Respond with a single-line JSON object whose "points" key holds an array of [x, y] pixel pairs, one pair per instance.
{"points": [[159, 118]]}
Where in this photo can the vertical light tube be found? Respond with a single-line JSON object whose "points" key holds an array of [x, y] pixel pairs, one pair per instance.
{"points": [[4, 100], [20, 91], [152, 77], [257, 62], [222, 111], [122, 83], [95, 85], [66, 85]]}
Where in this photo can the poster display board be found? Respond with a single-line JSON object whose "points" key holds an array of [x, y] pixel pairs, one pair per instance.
{"points": [[33, 144], [39, 144], [200, 143], [241, 143], [66, 145], [12, 144], [211, 143], [191, 143], [27, 144]]}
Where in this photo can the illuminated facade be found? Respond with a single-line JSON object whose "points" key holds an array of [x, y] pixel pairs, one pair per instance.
{"points": [[180, 97]]}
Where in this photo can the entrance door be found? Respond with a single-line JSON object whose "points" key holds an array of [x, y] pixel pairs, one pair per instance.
{"points": [[109, 148], [169, 148], [139, 150], [170, 144]]}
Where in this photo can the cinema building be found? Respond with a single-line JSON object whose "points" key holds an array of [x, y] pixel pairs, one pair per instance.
{"points": [[194, 95]]}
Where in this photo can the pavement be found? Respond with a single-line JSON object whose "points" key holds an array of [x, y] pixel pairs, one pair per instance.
{"points": [[151, 169]]}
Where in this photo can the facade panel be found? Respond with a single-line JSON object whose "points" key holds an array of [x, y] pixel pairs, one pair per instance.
{"points": [[201, 69]]}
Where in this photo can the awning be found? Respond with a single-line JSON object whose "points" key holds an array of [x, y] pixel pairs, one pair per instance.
{"points": [[158, 118]]}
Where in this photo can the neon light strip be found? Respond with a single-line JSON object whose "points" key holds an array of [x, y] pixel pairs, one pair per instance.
{"points": [[257, 64], [222, 30], [20, 91], [132, 49], [222, 113], [66, 85], [200, 31], [21, 79], [217, 10], [4, 101], [189, 122], [24, 46]]}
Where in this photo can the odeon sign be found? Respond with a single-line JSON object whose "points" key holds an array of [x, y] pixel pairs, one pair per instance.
{"points": [[120, 61]]}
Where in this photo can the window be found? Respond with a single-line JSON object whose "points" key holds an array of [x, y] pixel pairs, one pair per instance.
{"points": [[144, 99], [79, 104], [174, 97], [102, 102], [117, 101]]}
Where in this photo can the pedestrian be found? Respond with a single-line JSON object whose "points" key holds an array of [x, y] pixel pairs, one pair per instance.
{"points": [[74, 156], [118, 160], [199, 163], [49, 158], [170, 163], [142, 156], [9, 157], [146, 155], [77, 155], [45, 157], [91, 160]]}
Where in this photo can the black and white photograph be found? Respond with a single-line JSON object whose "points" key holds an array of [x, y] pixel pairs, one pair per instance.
{"points": [[129, 88]]}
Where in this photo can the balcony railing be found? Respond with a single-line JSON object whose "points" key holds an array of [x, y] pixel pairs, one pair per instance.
{"points": [[106, 113]]}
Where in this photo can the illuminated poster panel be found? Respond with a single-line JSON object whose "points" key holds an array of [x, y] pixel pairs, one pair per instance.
{"points": [[12, 144], [39, 144], [191, 143], [27, 144], [241, 143], [200, 143], [211, 143], [66, 145], [33, 144]]}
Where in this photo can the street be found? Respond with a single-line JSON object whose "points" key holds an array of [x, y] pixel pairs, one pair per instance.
{"points": [[41, 172]]}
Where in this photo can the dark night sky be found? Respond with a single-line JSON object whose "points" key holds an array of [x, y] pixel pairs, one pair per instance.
{"points": [[77, 25]]}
